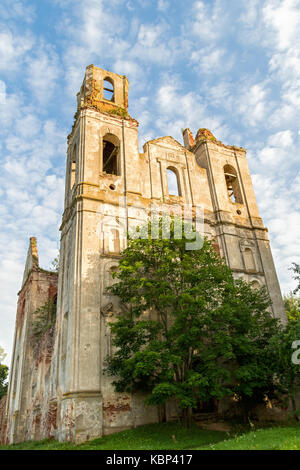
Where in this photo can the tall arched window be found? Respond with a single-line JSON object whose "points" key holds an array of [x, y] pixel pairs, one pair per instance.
{"points": [[110, 157], [232, 184], [116, 240], [173, 182], [249, 260], [108, 89], [73, 168]]}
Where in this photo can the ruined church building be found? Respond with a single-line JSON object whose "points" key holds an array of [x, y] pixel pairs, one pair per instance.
{"points": [[57, 387]]}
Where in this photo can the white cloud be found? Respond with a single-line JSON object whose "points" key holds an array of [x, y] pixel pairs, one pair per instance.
{"points": [[163, 5], [271, 156], [283, 19], [212, 60], [207, 20], [42, 73], [149, 35], [176, 109], [134, 72], [252, 104], [17, 9], [28, 126], [280, 152], [2, 92], [153, 45], [13, 48], [281, 139]]}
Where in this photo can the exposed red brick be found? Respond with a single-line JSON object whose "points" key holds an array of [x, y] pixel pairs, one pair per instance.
{"points": [[3, 420]]}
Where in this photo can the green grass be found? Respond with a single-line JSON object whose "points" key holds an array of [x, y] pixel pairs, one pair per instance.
{"points": [[148, 437], [277, 438], [159, 437]]}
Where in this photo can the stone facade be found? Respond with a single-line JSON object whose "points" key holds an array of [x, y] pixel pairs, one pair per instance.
{"points": [[58, 388]]}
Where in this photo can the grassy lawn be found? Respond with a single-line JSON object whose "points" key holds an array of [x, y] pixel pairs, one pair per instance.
{"points": [[148, 437], [174, 436], [277, 438]]}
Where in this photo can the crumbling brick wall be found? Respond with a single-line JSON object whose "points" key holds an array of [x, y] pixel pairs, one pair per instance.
{"points": [[3, 419], [31, 413]]}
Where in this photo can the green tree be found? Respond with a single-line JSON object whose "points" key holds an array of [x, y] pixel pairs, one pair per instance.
{"points": [[288, 372], [54, 266], [190, 332], [2, 354], [296, 269], [292, 306], [283, 343], [3, 374], [252, 329]]}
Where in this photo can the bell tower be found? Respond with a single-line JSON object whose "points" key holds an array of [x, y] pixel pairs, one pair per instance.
{"points": [[98, 176], [241, 234]]}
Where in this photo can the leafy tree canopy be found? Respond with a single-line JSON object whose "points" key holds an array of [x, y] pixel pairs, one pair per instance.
{"points": [[191, 332], [286, 345], [54, 266], [296, 269], [3, 374], [292, 306], [2, 354]]}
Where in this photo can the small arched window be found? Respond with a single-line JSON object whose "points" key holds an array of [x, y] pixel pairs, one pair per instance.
{"points": [[108, 89], [173, 182], [255, 284], [232, 184], [110, 158], [112, 270]]}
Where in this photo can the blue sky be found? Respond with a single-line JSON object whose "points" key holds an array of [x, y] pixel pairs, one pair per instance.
{"points": [[232, 66]]}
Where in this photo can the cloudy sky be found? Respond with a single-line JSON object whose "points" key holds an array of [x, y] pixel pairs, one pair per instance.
{"points": [[232, 66]]}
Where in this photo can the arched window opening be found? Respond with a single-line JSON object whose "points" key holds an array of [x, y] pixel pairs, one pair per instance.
{"points": [[116, 240], [112, 270], [173, 182], [73, 168], [108, 89], [110, 162], [232, 184], [255, 284], [249, 260]]}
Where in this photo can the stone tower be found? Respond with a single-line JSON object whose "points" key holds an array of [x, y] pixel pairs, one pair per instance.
{"points": [[102, 167], [111, 187]]}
